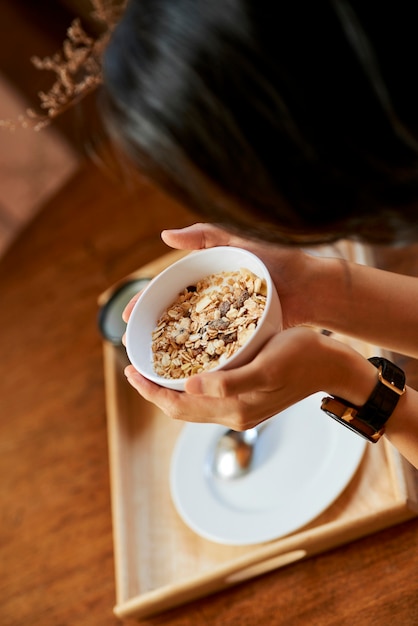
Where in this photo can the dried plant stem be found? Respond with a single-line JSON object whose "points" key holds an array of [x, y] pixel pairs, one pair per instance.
{"points": [[77, 67]]}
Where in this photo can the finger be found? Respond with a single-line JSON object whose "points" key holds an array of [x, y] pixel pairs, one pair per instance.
{"points": [[176, 404], [126, 313], [196, 237], [225, 383], [163, 398], [241, 380]]}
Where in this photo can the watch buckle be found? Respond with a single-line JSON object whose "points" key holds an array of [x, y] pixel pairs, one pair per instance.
{"points": [[388, 383]]}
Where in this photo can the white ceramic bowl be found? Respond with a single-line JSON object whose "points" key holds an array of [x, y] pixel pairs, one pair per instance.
{"points": [[164, 289]]}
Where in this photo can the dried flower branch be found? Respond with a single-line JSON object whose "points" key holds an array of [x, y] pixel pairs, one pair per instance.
{"points": [[77, 67]]}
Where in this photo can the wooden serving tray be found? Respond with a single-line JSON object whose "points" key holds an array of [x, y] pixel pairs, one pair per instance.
{"points": [[160, 563]]}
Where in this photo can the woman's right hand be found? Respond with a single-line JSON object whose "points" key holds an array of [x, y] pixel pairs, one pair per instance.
{"points": [[292, 365]]}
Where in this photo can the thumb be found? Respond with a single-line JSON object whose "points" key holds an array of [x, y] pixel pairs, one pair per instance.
{"points": [[225, 383], [195, 237]]}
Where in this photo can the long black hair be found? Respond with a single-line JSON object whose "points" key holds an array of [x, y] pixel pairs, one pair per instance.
{"points": [[289, 121]]}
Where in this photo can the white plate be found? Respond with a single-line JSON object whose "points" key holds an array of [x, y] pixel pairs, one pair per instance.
{"points": [[303, 461]]}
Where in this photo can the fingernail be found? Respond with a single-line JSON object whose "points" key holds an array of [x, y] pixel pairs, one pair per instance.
{"points": [[130, 372]]}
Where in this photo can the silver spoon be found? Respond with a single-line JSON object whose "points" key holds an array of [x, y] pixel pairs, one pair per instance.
{"points": [[234, 452]]}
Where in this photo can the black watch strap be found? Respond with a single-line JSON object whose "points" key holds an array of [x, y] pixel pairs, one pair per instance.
{"points": [[385, 396], [369, 420]]}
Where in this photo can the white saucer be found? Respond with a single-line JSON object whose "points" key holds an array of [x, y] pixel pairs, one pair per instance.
{"points": [[303, 461]]}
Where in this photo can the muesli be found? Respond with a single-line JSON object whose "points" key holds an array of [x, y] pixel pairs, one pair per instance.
{"points": [[208, 323]]}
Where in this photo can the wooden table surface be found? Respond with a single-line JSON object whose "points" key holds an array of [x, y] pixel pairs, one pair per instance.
{"points": [[56, 554]]}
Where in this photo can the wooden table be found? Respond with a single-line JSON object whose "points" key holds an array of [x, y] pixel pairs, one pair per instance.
{"points": [[56, 556]]}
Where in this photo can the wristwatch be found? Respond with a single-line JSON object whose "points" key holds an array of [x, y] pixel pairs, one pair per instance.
{"points": [[369, 420]]}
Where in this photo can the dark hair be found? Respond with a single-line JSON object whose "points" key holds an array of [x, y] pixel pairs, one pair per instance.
{"points": [[289, 121]]}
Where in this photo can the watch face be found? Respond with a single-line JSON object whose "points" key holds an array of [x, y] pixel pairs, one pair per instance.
{"points": [[350, 426], [371, 436], [369, 420]]}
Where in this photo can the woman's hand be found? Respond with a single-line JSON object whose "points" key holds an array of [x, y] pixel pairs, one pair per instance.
{"points": [[293, 272], [329, 293], [300, 279], [286, 370], [292, 365], [300, 361]]}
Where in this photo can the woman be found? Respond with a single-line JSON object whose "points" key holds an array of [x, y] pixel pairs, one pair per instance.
{"points": [[284, 132]]}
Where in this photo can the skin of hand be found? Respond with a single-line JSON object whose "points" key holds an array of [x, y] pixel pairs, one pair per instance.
{"points": [[378, 307], [295, 362], [291, 366], [292, 271]]}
